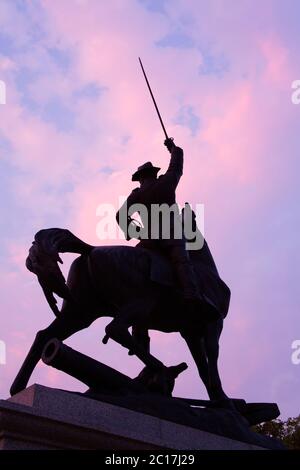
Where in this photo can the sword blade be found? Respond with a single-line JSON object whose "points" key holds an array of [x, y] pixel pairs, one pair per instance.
{"points": [[157, 110]]}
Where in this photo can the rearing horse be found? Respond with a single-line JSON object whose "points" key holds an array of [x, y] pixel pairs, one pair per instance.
{"points": [[133, 286]]}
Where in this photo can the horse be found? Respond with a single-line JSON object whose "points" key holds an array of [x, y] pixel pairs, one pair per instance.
{"points": [[136, 288]]}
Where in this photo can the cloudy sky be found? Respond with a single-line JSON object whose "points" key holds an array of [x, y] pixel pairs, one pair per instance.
{"points": [[78, 121]]}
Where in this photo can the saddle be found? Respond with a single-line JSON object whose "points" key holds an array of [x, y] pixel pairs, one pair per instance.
{"points": [[211, 287]]}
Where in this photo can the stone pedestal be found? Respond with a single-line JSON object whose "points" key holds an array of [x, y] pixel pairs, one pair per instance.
{"points": [[45, 418]]}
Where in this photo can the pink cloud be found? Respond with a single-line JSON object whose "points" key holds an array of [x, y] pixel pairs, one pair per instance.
{"points": [[278, 67]]}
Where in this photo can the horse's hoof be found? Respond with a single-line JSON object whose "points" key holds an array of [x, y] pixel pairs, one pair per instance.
{"points": [[105, 339], [117, 333], [14, 389]]}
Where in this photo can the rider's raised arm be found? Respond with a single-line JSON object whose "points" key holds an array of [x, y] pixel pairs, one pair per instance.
{"points": [[175, 168]]}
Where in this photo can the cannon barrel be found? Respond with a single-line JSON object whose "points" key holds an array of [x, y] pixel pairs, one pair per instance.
{"points": [[97, 376]]}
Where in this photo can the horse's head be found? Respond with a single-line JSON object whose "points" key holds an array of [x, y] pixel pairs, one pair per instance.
{"points": [[43, 259]]}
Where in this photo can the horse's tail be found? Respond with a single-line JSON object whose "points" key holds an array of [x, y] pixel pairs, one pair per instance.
{"points": [[43, 261]]}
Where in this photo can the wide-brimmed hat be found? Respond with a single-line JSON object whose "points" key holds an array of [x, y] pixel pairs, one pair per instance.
{"points": [[146, 167]]}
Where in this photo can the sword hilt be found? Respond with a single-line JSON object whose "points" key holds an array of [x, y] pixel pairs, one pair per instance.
{"points": [[167, 143]]}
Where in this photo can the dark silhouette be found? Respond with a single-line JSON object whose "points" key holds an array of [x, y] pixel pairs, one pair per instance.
{"points": [[135, 286], [161, 191]]}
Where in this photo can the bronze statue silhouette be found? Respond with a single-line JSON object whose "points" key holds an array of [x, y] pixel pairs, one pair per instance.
{"points": [[157, 285], [161, 191], [135, 287]]}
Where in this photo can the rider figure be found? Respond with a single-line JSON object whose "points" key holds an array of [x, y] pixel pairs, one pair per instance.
{"points": [[158, 191]]}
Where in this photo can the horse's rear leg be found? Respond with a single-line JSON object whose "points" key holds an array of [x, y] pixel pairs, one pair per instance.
{"points": [[61, 328], [135, 313], [212, 336], [195, 343]]}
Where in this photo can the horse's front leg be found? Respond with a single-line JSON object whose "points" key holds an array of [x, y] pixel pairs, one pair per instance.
{"points": [[61, 328], [135, 314]]}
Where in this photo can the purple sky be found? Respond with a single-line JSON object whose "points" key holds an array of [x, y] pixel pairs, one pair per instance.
{"points": [[78, 120]]}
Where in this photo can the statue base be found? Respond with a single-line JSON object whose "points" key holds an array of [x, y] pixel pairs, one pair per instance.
{"points": [[46, 418]]}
